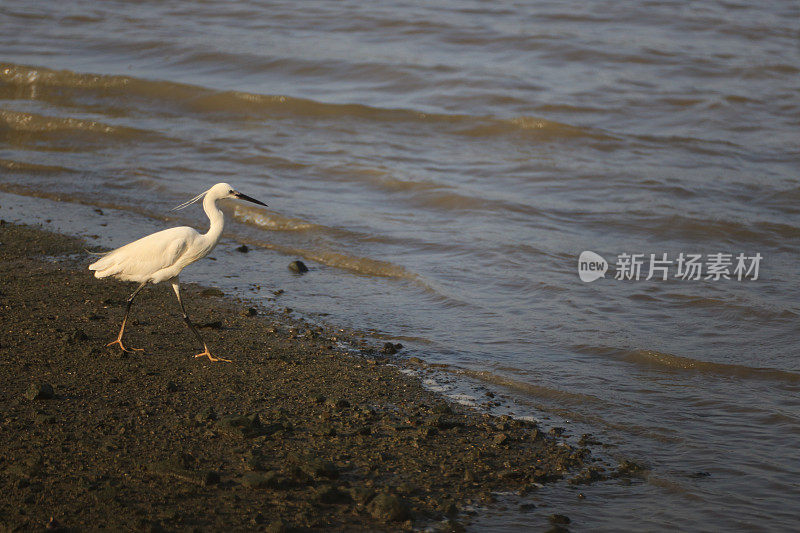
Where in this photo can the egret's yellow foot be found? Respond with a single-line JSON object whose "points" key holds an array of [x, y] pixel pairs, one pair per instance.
{"points": [[124, 349], [211, 358]]}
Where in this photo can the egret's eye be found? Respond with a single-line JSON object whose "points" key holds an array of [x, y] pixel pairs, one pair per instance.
{"points": [[231, 191]]}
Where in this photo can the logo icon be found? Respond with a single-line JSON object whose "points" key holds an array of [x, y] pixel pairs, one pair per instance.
{"points": [[591, 266]]}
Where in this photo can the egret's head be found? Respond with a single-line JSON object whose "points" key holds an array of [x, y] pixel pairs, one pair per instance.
{"points": [[218, 192], [230, 192]]}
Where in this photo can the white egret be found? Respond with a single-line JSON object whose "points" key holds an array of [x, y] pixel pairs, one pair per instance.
{"points": [[162, 255]]}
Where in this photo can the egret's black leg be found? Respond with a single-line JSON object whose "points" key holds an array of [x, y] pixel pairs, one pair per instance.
{"points": [[125, 319], [176, 288]]}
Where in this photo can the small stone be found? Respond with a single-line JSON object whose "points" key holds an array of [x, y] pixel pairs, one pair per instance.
{"points": [[559, 519], [388, 507], [325, 430], [416, 361], [389, 349], [250, 311], [211, 291], [40, 391], [172, 387], [339, 404], [628, 468], [241, 425], [500, 439], [210, 477], [257, 480], [277, 527], [428, 432], [44, 418], [331, 495], [78, 335], [321, 469], [443, 409], [243, 249], [255, 463], [449, 508], [298, 267], [206, 415], [361, 495]]}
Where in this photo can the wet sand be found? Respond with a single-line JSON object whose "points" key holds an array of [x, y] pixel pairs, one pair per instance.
{"points": [[298, 432]]}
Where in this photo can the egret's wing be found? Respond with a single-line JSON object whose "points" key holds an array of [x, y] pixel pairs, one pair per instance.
{"points": [[139, 260]]}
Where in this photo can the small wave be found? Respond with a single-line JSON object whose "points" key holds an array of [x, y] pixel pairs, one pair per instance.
{"points": [[531, 389], [696, 228], [270, 220], [250, 106], [355, 264], [29, 122], [10, 165], [33, 124], [665, 360], [533, 127]]}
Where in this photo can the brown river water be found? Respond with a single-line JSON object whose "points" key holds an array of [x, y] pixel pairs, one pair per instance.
{"points": [[440, 166]]}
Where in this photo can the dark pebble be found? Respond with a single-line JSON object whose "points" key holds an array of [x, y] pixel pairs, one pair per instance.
{"points": [[559, 519], [362, 495], [206, 415], [628, 468], [388, 507], [500, 439], [212, 292], [40, 391], [243, 248], [331, 495], [321, 469], [78, 335], [298, 266], [339, 404], [389, 349], [256, 480], [277, 527], [210, 478]]}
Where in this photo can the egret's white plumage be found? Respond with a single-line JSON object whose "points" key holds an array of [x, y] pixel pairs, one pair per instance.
{"points": [[163, 255]]}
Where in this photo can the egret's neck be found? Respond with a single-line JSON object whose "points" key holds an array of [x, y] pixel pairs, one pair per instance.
{"points": [[216, 218]]}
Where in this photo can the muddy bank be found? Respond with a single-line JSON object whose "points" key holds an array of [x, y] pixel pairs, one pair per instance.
{"points": [[297, 433]]}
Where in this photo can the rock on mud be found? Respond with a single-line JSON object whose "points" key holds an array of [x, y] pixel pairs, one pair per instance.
{"points": [[388, 507], [40, 391], [298, 267]]}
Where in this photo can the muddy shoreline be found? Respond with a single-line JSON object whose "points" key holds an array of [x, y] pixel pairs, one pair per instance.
{"points": [[298, 433]]}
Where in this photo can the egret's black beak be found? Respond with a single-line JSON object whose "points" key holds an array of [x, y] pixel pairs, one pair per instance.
{"points": [[241, 196]]}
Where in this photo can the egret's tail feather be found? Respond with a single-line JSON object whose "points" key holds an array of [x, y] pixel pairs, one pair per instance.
{"points": [[190, 202]]}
